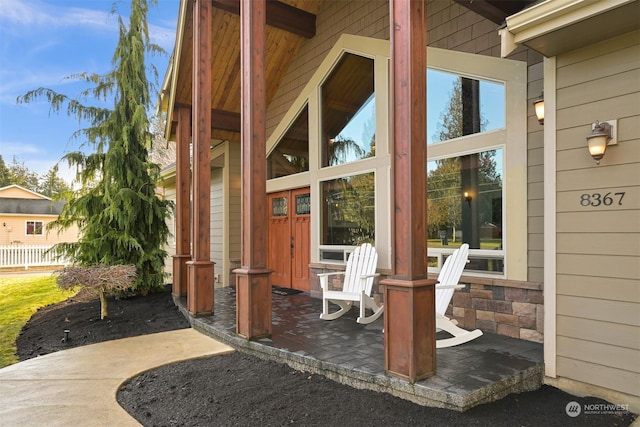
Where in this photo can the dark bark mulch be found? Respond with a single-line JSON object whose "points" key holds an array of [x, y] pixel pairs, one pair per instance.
{"points": [[243, 390]]}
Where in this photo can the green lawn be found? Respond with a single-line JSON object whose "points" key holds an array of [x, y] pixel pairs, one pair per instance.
{"points": [[20, 297]]}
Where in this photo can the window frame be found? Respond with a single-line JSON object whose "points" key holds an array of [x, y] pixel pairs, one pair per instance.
{"points": [[35, 228]]}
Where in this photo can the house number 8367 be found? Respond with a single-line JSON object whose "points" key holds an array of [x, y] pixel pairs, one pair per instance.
{"points": [[599, 199]]}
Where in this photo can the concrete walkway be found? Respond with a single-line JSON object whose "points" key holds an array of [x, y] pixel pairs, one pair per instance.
{"points": [[77, 387]]}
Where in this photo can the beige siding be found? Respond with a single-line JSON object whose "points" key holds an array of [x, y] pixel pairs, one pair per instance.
{"points": [[169, 193], [535, 178], [217, 221], [234, 207], [598, 247], [13, 231]]}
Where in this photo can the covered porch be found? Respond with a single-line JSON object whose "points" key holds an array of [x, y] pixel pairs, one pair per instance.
{"points": [[481, 371]]}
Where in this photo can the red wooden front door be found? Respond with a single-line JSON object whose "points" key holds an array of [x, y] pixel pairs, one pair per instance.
{"points": [[289, 234]]}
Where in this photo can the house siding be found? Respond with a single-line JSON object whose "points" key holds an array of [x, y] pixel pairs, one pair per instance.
{"points": [[21, 205], [169, 193], [234, 179], [598, 248], [217, 222]]}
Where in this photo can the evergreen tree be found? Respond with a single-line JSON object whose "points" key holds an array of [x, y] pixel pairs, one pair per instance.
{"points": [[120, 217], [5, 178], [20, 174], [51, 184]]}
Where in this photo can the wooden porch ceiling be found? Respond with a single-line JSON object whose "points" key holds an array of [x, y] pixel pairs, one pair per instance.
{"points": [[289, 23]]}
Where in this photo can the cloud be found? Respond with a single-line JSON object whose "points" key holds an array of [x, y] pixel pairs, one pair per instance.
{"points": [[19, 14]]}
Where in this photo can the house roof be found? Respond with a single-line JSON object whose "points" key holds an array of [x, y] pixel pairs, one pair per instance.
{"points": [[289, 24], [17, 191], [17, 206]]}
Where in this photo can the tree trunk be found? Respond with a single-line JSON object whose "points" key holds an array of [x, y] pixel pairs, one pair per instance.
{"points": [[104, 312]]}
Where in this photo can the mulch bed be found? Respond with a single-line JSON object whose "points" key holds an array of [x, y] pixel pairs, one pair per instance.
{"points": [[243, 390]]}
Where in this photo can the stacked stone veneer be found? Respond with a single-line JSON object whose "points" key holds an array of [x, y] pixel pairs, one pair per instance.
{"points": [[504, 307], [514, 309]]}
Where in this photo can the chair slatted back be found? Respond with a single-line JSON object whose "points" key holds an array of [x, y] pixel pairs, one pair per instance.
{"points": [[362, 261], [450, 276]]}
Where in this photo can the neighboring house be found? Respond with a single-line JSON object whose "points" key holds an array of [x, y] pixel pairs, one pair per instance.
{"points": [[554, 236], [24, 215]]}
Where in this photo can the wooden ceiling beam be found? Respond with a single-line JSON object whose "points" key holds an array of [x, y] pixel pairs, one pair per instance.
{"points": [[279, 15], [220, 119]]}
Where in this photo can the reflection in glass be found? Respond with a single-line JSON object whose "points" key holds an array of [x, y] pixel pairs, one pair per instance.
{"points": [[476, 218], [348, 112], [458, 106], [279, 206], [348, 214], [291, 154]]}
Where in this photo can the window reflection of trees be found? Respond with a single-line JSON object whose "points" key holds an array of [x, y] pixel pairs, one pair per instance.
{"points": [[348, 112], [349, 210], [291, 154], [476, 219]]}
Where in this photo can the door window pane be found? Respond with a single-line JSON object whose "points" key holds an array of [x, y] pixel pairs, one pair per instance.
{"points": [[303, 204], [279, 206], [348, 216], [348, 112]]}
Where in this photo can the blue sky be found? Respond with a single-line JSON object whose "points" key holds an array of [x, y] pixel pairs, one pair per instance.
{"points": [[44, 41]]}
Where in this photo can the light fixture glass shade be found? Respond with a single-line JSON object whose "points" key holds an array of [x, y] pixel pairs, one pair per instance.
{"points": [[539, 107], [597, 141], [597, 146]]}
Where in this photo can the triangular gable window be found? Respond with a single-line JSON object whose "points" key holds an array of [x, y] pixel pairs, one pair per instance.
{"points": [[291, 154], [348, 112]]}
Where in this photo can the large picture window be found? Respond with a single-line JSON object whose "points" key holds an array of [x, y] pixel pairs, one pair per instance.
{"points": [[348, 214], [464, 205], [465, 189]]}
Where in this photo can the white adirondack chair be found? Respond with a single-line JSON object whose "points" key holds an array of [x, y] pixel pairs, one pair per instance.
{"points": [[447, 284], [358, 281]]}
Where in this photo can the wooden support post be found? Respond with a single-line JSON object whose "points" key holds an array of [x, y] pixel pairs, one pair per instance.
{"points": [[253, 279], [409, 297], [201, 269], [183, 189]]}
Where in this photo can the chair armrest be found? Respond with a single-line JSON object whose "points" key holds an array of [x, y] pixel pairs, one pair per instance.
{"points": [[450, 287], [366, 276], [324, 279], [335, 273]]}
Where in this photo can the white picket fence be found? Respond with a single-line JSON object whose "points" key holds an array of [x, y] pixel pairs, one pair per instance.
{"points": [[12, 256]]}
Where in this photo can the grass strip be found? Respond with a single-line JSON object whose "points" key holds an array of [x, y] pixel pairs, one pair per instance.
{"points": [[20, 297]]}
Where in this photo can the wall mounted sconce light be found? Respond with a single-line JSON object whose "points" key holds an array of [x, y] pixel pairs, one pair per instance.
{"points": [[538, 105], [467, 197], [602, 134]]}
